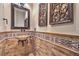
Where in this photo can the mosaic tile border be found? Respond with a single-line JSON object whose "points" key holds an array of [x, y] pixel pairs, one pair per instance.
{"points": [[13, 34], [69, 42]]}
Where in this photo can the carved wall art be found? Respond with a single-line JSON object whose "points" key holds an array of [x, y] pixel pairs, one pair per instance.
{"points": [[61, 13], [43, 11]]}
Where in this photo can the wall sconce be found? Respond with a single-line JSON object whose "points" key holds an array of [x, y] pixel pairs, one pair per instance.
{"points": [[4, 19]]}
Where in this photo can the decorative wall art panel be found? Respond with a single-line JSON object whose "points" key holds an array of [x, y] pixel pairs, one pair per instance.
{"points": [[43, 11], [61, 13]]}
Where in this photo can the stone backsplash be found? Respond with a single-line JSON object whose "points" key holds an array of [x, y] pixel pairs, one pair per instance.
{"points": [[68, 42]]}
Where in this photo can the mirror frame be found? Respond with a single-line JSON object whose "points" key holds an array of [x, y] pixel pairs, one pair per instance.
{"points": [[12, 16]]}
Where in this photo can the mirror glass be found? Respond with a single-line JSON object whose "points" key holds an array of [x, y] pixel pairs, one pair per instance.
{"points": [[20, 17]]}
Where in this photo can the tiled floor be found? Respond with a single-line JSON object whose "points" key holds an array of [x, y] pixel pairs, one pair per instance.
{"points": [[11, 48]]}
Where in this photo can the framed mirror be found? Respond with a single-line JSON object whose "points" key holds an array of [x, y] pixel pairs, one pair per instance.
{"points": [[20, 17]]}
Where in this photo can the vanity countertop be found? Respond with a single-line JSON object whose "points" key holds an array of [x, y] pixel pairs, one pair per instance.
{"points": [[22, 37]]}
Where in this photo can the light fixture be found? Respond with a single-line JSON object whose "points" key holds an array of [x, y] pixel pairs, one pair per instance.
{"points": [[4, 19]]}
